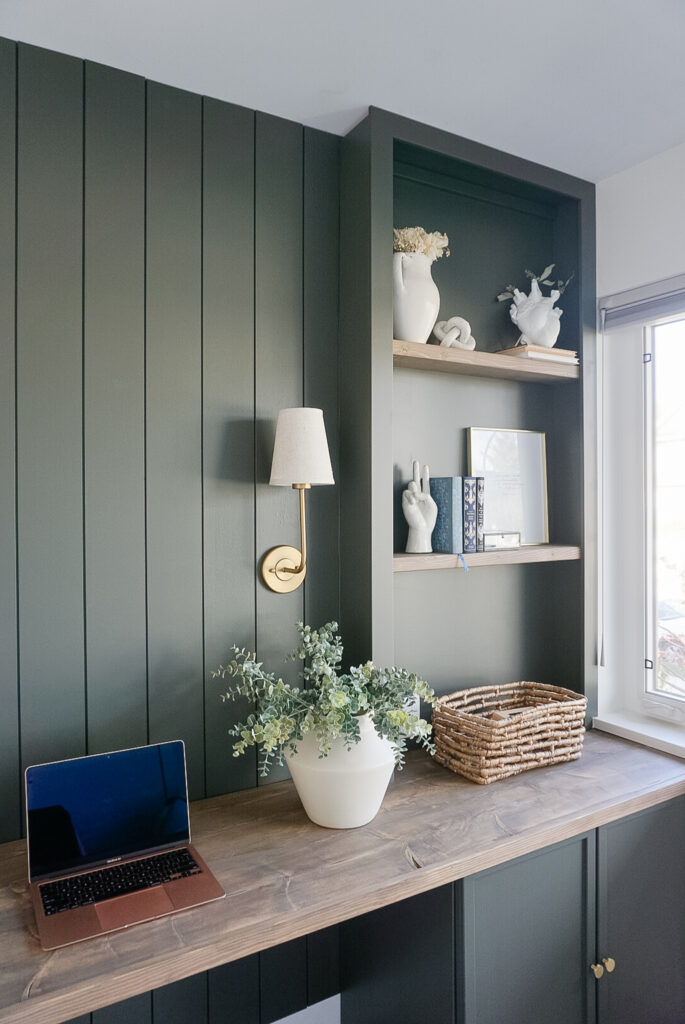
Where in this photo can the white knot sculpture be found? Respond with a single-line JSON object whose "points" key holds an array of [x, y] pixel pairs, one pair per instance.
{"points": [[535, 316], [455, 333]]}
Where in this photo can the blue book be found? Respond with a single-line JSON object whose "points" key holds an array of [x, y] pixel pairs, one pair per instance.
{"points": [[470, 512], [446, 492]]}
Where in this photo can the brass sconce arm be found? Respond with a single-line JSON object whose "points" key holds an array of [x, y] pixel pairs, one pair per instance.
{"points": [[303, 529], [284, 567]]}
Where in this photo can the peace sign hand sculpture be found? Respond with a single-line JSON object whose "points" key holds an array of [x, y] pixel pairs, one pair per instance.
{"points": [[420, 511]]}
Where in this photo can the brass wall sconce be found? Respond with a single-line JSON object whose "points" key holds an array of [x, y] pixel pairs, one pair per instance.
{"points": [[300, 459]]}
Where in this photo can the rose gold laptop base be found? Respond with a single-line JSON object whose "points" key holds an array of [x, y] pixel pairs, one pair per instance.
{"points": [[120, 912]]}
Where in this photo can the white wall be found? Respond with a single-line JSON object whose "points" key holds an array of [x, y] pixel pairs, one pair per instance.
{"points": [[641, 223]]}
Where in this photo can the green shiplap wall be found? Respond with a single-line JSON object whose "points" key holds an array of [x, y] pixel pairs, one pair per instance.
{"points": [[168, 282]]}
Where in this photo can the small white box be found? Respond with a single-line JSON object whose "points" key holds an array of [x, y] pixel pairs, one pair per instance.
{"points": [[501, 541]]}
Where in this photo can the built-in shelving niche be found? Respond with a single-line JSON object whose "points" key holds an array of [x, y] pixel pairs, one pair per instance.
{"points": [[520, 618], [515, 617]]}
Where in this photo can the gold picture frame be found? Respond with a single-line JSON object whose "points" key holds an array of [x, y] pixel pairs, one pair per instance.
{"points": [[514, 466]]}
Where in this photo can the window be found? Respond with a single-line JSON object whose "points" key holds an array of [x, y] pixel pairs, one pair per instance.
{"points": [[665, 512], [641, 501]]}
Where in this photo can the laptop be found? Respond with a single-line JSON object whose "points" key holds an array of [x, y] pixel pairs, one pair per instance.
{"points": [[109, 843]]}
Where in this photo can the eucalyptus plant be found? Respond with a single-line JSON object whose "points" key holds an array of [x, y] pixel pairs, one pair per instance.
{"points": [[328, 704], [544, 278]]}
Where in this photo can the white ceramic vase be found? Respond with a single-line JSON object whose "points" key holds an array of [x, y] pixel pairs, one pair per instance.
{"points": [[416, 299], [346, 788]]}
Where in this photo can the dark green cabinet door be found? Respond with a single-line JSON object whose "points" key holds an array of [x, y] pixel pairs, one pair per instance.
{"points": [[528, 939], [641, 914]]}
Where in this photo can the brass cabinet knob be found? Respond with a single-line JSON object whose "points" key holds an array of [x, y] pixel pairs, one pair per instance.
{"points": [[597, 970], [609, 963]]}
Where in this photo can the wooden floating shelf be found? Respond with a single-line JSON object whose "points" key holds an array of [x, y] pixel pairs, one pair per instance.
{"points": [[411, 355], [516, 556]]}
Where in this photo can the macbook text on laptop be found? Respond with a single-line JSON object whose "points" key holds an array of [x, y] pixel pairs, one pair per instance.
{"points": [[109, 843]]}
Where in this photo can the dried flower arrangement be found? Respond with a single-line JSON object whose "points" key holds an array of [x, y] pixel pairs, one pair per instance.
{"points": [[431, 244]]}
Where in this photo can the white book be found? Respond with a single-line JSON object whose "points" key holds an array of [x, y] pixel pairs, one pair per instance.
{"points": [[550, 356]]}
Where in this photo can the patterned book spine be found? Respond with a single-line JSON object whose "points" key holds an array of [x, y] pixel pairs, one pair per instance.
{"points": [[446, 492], [480, 513], [470, 515]]}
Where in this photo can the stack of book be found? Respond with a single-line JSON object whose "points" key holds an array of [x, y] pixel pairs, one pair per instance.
{"points": [[555, 355], [461, 507]]}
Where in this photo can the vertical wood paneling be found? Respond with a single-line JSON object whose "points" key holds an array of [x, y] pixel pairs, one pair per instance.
{"points": [[10, 820], [321, 216], [137, 1010], [283, 980], [234, 992], [228, 421], [323, 964], [166, 311], [184, 1002], [355, 482], [278, 365], [114, 407], [49, 411], [397, 963], [174, 428]]}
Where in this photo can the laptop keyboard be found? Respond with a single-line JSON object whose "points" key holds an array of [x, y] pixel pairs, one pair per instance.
{"points": [[104, 884]]}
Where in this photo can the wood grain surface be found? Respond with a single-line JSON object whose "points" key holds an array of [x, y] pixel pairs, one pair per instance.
{"points": [[286, 877], [403, 562], [415, 356]]}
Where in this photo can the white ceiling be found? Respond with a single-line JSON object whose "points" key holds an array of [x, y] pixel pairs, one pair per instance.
{"points": [[587, 86]]}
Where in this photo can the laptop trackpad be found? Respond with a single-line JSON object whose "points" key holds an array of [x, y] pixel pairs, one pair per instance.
{"points": [[137, 906]]}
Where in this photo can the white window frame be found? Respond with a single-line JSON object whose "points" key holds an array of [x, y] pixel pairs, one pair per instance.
{"points": [[625, 335], [662, 705]]}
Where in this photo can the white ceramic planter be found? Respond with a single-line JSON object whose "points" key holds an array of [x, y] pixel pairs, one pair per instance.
{"points": [[346, 788], [416, 300]]}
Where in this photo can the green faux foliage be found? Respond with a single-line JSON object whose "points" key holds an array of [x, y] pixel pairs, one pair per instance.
{"points": [[328, 703], [508, 294]]}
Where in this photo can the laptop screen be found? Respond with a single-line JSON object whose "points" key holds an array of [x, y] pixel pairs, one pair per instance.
{"points": [[91, 810]]}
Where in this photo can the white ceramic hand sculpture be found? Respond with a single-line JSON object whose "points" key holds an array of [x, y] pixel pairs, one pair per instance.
{"points": [[420, 511], [455, 333], [535, 316]]}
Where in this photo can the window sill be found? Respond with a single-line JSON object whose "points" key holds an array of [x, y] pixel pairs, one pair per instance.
{"points": [[645, 730]]}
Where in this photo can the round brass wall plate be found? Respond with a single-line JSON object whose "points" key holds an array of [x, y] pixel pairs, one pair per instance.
{"points": [[275, 560]]}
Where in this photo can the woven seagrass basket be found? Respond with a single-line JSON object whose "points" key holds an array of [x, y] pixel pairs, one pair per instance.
{"points": [[490, 732]]}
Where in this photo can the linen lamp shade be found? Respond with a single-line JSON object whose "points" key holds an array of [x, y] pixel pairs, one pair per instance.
{"points": [[301, 449]]}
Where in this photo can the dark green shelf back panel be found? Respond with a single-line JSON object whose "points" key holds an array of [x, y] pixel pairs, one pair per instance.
{"points": [[491, 244]]}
